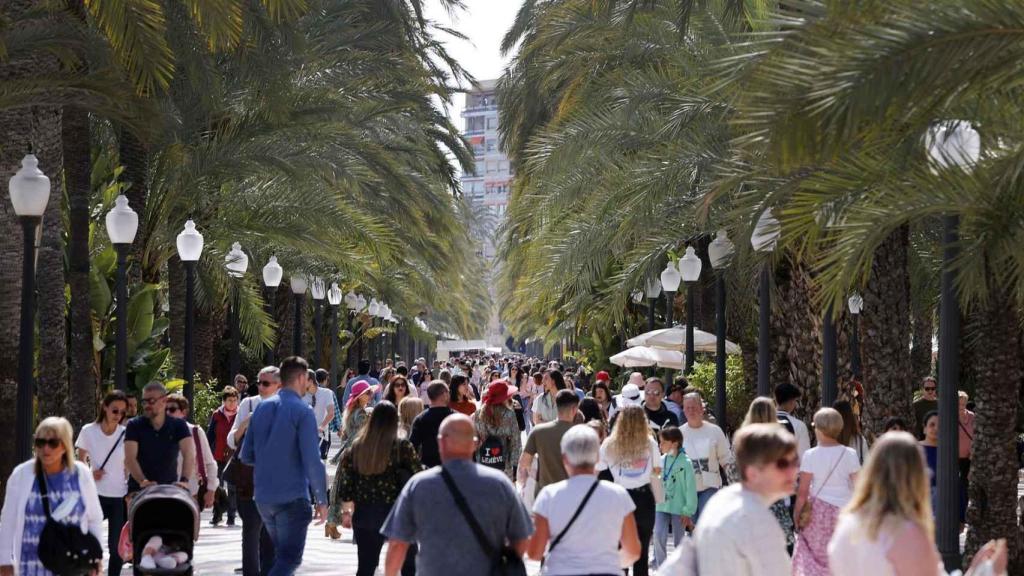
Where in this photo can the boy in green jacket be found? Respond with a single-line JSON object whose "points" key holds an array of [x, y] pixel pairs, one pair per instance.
{"points": [[680, 493]]}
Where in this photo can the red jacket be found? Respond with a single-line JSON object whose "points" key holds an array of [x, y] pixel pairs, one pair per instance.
{"points": [[217, 433]]}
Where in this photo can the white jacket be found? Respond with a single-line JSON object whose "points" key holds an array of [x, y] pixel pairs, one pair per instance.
{"points": [[12, 518], [204, 452]]}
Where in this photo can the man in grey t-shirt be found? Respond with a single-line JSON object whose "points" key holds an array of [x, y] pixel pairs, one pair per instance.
{"points": [[426, 513]]}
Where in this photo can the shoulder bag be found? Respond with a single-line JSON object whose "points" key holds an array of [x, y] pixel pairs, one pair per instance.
{"points": [[111, 453], [63, 548], [505, 560], [805, 512], [575, 515]]}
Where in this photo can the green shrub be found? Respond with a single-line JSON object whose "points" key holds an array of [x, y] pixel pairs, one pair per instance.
{"points": [[738, 396], [206, 397]]}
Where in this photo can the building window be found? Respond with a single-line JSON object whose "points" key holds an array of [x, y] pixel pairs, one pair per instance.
{"points": [[492, 123], [491, 146], [475, 124]]}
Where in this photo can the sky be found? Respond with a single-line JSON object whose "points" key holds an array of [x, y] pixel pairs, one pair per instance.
{"points": [[484, 22]]}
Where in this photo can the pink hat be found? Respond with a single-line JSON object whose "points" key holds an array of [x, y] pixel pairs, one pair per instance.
{"points": [[358, 389], [637, 379]]}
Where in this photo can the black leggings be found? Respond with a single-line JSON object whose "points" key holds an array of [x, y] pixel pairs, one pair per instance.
{"points": [[367, 520], [643, 499], [114, 514]]}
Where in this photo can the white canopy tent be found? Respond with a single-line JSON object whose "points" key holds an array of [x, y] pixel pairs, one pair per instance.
{"points": [[640, 356], [675, 339]]}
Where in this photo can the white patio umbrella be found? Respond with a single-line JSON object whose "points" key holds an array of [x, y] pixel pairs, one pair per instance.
{"points": [[639, 356], [675, 339]]}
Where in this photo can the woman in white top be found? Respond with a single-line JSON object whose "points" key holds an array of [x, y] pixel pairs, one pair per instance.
{"points": [[591, 544], [887, 528], [826, 485], [633, 457], [101, 445]]}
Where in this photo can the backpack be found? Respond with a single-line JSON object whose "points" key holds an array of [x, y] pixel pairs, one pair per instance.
{"points": [[492, 453], [784, 420]]}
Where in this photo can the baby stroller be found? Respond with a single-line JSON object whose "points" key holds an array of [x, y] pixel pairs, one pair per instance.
{"points": [[167, 511]]}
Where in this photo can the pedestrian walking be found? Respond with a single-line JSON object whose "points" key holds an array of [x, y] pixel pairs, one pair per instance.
{"points": [[544, 444], [707, 447], [370, 476], [398, 390], [153, 444], [633, 458], [410, 408], [965, 426], [680, 494], [585, 525], [321, 398], [426, 426], [49, 485], [764, 411], [217, 430], [851, 434], [827, 473], [498, 430], [281, 444], [462, 396], [926, 403], [203, 482], [463, 516], [737, 535], [363, 376], [257, 547], [887, 528], [656, 410], [100, 444], [544, 408], [787, 398]]}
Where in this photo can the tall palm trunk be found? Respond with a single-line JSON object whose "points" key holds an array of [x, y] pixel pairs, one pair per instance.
{"points": [[993, 480], [885, 335], [39, 128], [52, 381], [796, 335], [921, 351], [82, 385], [135, 159]]}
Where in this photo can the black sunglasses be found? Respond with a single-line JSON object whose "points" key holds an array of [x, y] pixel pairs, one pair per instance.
{"points": [[53, 443], [151, 401], [171, 410], [265, 382], [929, 388]]}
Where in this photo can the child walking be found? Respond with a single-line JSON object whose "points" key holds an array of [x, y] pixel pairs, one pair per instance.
{"points": [[680, 493]]}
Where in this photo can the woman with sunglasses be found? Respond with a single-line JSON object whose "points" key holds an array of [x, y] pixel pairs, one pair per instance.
{"points": [[101, 445], [69, 484], [397, 390]]}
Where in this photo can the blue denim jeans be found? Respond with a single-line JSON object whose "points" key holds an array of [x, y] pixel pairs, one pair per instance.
{"points": [[702, 499], [287, 524], [662, 520]]}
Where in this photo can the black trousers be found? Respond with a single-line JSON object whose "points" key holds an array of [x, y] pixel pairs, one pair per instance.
{"points": [[367, 520], [643, 499], [257, 547], [114, 513], [226, 499]]}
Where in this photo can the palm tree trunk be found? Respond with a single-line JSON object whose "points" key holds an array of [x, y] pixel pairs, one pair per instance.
{"points": [[135, 159], [796, 334], [38, 128], [82, 386], [993, 480], [921, 351], [885, 335]]}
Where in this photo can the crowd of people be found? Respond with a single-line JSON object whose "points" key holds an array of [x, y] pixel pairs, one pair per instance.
{"points": [[463, 466]]}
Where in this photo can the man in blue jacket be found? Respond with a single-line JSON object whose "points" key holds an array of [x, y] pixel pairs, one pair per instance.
{"points": [[281, 444]]}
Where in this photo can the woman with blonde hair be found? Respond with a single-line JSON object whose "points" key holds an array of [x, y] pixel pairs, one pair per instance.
{"points": [[632, 456], [408, 409], [827, 473], [887, 529], [41, 486], [763, 411]]}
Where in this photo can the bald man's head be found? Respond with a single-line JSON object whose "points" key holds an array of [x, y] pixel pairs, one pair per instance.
{"points": [[456, 439]]}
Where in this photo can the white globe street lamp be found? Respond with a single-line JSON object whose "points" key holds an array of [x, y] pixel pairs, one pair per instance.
{"points": [[122, 225]]}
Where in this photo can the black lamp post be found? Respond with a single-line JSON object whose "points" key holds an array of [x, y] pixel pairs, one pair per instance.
{"points": [[720, 254], [689, 267], [765, 237], [334, 299], [272, 275], [855, 303], [950, 145], [652, 291], [298, 285], [236, 262], [318, 290], [190, 248], [122, 224], [30, 192]]}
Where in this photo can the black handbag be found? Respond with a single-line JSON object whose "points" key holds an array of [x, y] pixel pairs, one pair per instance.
{"points": [[505, 561], [63, 548]]}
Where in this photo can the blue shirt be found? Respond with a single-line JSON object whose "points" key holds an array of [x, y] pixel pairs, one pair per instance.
{"points": [[59, 487], [361, 378], [283, 445]]}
